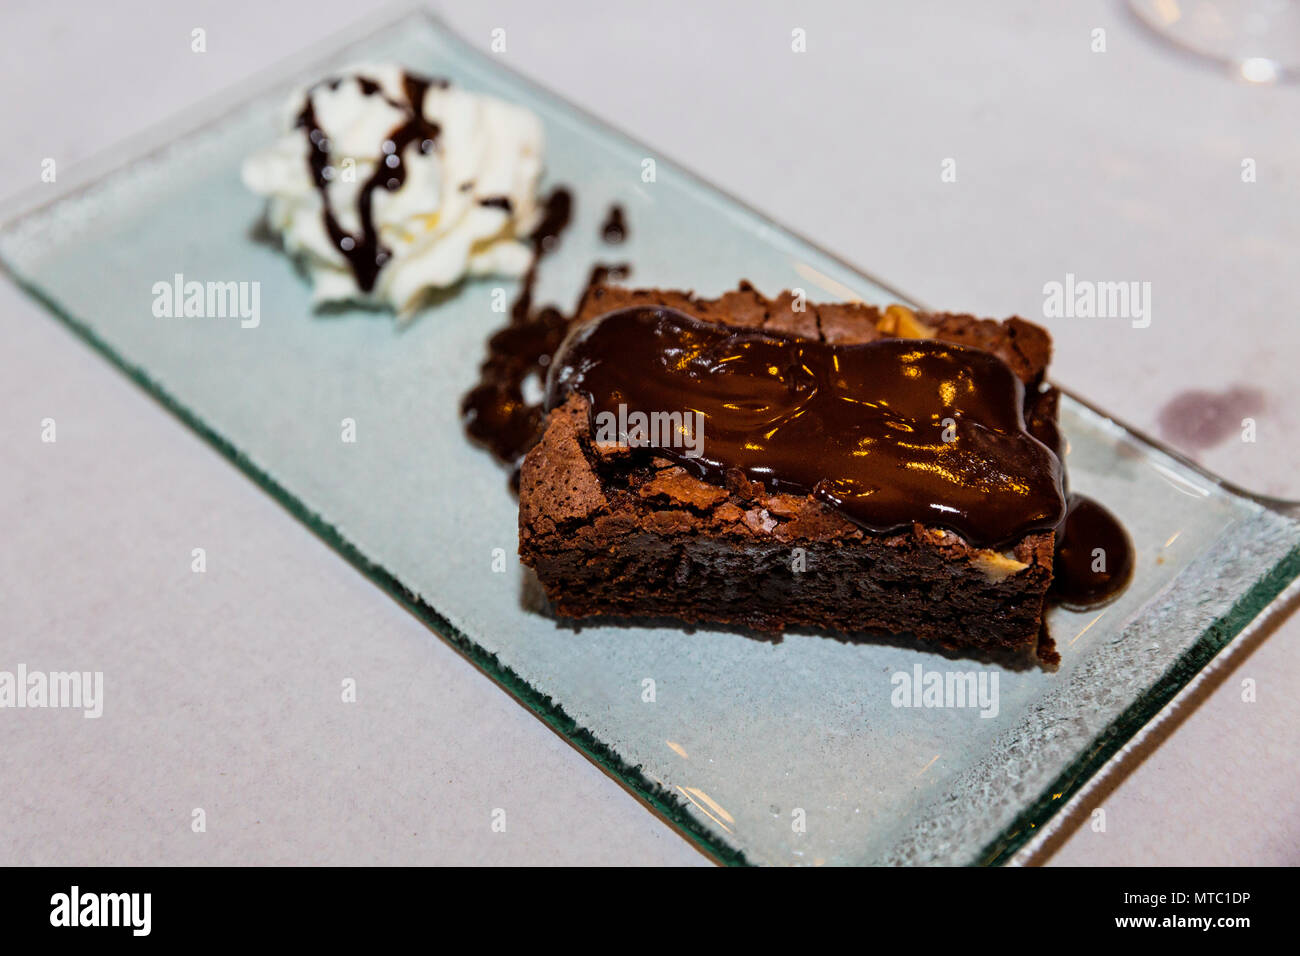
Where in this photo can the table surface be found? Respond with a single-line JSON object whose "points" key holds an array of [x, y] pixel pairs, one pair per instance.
{"points": [[1117, 165]]}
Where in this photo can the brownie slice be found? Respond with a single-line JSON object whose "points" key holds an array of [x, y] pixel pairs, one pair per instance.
{"points": [[618, 531]]}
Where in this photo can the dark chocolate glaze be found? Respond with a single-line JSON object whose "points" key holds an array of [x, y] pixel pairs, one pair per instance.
{"points": [[364, 253], [614, 229], [1041, 409], [1094, 555], [864, 428], [495, 411]]}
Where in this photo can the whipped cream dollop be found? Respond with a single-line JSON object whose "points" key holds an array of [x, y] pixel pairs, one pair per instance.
{"points": [[386, 185]]}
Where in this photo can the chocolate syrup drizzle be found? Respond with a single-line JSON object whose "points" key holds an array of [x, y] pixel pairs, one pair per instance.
{"points": [[614, 229], [496, 412], [364, 253]]}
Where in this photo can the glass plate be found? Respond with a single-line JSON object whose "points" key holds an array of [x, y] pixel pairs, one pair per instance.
{"points": [[763, 753]]}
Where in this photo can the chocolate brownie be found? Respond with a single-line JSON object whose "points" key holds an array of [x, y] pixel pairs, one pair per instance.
{"points": [[639, 532]]}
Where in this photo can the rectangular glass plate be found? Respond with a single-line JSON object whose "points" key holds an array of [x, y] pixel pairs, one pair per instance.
{"points": [[762, 753]]}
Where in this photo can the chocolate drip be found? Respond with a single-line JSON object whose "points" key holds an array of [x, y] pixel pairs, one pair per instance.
{"points": [[495, 411], [890, 432], [1041, 412], [1094, 556], [614, 229], [556, 213], [1086, 527], [364, 253]]}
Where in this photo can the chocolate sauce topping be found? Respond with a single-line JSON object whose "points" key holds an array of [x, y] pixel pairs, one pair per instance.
{"points": [[1094, 555], [614, 229], [495, 411], [557, 211], [1085, 528], [364, 253], [890, 432]]}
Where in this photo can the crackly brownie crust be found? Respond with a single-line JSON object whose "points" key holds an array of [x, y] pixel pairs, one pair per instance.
{"points": [[620, 532]]}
